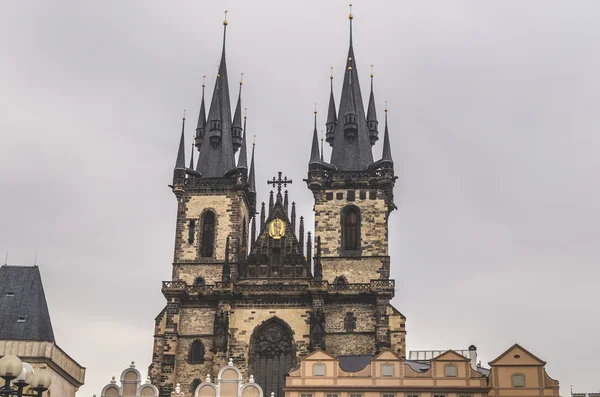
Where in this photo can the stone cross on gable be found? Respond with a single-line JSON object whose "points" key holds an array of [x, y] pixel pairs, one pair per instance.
{"points": [[279, 182]]}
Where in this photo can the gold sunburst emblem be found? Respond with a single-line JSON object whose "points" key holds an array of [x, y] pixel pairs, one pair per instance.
{"points": [[277, 228]]}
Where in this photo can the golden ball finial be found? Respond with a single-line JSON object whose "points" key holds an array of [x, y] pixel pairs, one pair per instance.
{"points": [[385, 107], [331, 73], [245, 113], [350, 16], [203, 81], [241, 79], [225, 21], [183, 114], [254, 140], [372, 66]]}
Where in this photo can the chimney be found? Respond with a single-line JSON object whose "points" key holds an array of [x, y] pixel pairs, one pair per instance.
{"points": [[473, 357]]}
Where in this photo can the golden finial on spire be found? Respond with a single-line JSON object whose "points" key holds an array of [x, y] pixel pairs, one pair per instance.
{"points": [[385, 107], [225, 21], [315, 108], [203, 81], [372, 66], [350, 16], [242, 78], [331, 73], [245, 112], [254, 140], [183, 114]]}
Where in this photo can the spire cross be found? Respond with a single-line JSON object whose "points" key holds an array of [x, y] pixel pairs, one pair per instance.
{"points": [[279, 182]]}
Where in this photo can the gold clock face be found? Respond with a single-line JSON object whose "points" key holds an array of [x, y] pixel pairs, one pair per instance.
{"points": [[277, 228]]}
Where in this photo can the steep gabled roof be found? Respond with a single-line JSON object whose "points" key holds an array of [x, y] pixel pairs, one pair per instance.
{"points": [[23, 310]]}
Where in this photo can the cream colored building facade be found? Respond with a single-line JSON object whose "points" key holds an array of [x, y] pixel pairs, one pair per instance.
{"points": [[515, 373]]}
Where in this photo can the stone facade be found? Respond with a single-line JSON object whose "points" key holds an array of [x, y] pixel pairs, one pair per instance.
{"points": [[342, 305]]}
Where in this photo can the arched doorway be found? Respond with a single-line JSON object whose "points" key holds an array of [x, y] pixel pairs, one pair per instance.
{"points": [[272, 355]]}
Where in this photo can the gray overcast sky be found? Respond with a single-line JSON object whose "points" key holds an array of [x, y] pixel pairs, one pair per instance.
{"points": [[494, 130]]}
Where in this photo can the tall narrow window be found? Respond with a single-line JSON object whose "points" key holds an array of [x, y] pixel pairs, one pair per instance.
{"points": [[244, 237], [191, 232], [208, 234], [196, 352], [349, 322], [351, 229]]}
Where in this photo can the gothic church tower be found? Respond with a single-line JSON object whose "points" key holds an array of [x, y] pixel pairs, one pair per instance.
{"points": [[257, 290]]}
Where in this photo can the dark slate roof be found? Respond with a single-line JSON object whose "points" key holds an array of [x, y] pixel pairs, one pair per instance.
{"points": [[483, 371], [354, 363], [22, 294], [419, 366]]}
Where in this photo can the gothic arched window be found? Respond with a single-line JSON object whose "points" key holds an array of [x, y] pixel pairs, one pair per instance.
{"points": [[208, 234], [350, 228], [272, 354], [196, 352]]}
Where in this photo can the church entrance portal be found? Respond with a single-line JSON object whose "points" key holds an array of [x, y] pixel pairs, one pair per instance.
{"points": [[272, 355]]}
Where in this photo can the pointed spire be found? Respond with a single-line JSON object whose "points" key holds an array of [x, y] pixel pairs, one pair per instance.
{"points": [[271, 203], [387, 149], [351, 145], [331, 114], [192, 157], [236, 130], [216, 156], [301, 234], [285, 202], [226, 276], [252, 176], [262, 216], [350, 17], [293, 217], [201, 128], [315, 157], [321, 145], [372, 115], [180, 162], [243, 159]]}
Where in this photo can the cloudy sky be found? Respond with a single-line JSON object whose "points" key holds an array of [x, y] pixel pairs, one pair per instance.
{"points": [[493, 112]]}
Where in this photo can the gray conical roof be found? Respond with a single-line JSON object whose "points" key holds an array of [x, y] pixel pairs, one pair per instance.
{"points": [[355, 154], [216, 160]]}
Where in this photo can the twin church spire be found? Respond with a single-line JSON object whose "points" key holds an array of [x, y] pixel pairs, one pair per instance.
{"points": [[350, 131]]}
